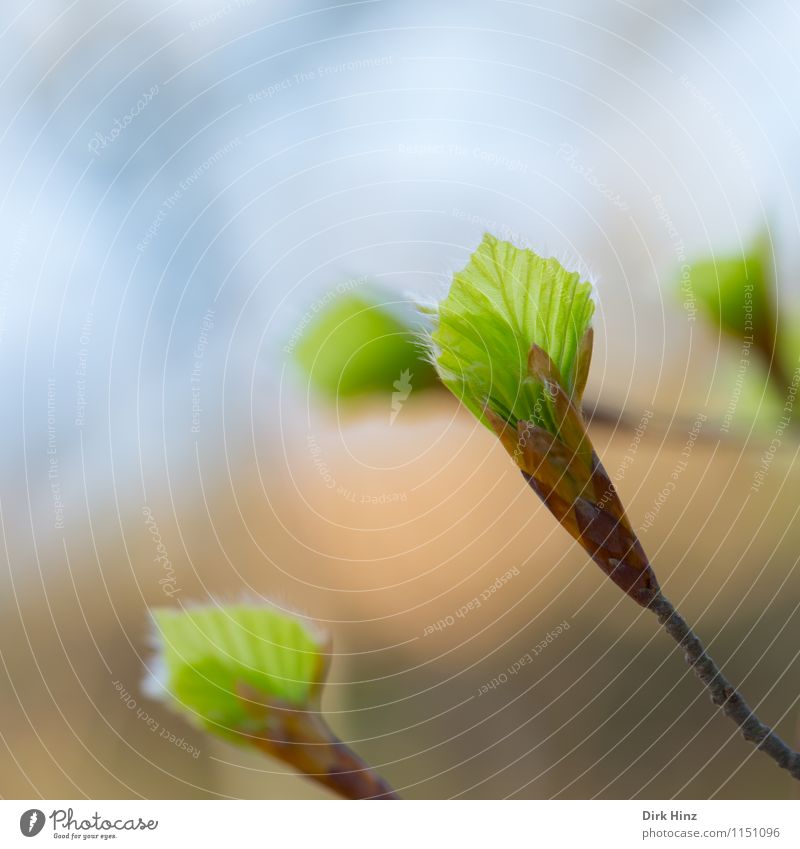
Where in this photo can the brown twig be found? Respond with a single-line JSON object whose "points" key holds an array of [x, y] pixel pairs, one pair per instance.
{"points": [[722, 692], [563, 469], [318, 754], [303, 739], [599, 524]]}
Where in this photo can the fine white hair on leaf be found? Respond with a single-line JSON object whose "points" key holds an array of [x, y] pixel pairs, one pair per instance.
{"points": [[423, 341], [572, 262], [427, 306]]}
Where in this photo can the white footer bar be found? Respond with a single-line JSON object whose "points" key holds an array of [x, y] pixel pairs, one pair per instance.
{"points": [[410, 825]]}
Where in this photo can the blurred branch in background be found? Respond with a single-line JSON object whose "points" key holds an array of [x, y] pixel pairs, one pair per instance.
{"points": [[737, 297]]}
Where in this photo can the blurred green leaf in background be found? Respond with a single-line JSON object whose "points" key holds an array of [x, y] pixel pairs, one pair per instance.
{"points": [[360, 344], [737, 295]]}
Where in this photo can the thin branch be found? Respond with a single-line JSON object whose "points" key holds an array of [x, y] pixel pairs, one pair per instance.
{"points": [[303, 739], [722, 691], [332, 764]]}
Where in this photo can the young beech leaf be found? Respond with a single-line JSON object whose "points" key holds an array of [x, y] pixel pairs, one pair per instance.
{"points": [[210, 656], [361, 343], [514, 343], [505, 301]]}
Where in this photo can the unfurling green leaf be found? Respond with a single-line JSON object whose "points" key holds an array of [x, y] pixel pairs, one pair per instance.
{"points": [[503, 303], [208, 656], [513, 341]]}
